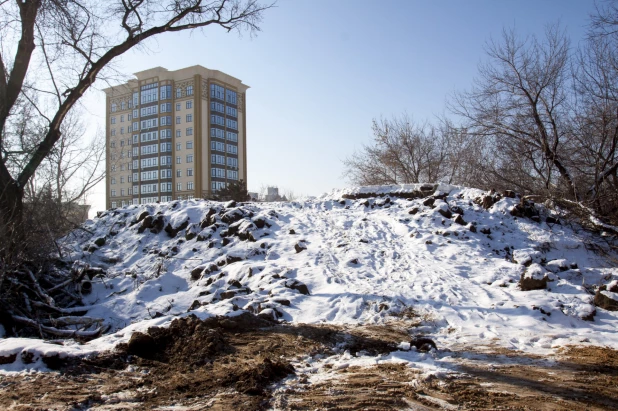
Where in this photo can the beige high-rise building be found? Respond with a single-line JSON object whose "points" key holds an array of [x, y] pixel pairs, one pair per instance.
{"points": [[174, 135]]}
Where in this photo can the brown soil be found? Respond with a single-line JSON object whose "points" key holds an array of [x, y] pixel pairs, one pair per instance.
{"points": [[245, 363]]}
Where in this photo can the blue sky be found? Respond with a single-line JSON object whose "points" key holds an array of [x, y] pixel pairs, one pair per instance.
{"points": [[321, 70]]}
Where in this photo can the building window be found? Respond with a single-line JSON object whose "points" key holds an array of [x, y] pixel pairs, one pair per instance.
{"points": [[230, 96], [113, 204], [121, 130], [189, 90], [178, 133], [189, 145], [217, 91], [178, 146], [189, 172], [231, 111], [112, 144], [178, 186], [189, 118], [122, 192], [215, 119], [178, 160], [122, 118], [233, 124], [178, 92], [113, 132], [177, 119], [113, 180], [189, 158], [122, 178], [166, 92], [114, 108], [178, 106], [189, 104], [113, 193], [215, 106], [190, 131], [190, 185], [178, 173]]}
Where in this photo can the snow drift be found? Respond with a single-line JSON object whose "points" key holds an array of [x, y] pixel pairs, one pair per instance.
{"points": [[477, 269]]}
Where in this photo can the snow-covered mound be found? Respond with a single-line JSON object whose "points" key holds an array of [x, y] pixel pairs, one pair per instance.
{"points": [[475, 274]]}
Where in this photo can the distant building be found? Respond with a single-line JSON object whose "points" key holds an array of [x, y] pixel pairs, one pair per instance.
{"points": [[174, 135], [254, 196], [272, 194]]}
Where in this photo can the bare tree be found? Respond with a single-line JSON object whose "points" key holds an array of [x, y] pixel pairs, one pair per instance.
{"points": [[519, 103], [403, 152]]}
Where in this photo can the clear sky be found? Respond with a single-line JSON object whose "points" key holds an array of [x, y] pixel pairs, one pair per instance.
{"points": [[321, 70]]}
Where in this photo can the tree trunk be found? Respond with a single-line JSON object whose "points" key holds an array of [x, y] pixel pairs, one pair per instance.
{"points": [[11, 217]]}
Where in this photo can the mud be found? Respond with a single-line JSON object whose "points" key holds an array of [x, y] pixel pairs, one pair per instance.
{"points": [[247, 363]]}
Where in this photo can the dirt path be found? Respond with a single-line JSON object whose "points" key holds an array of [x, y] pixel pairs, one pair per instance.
{"points": [[245, 363]]}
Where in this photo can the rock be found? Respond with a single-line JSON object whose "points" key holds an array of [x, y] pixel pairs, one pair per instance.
{"points": [[413, 210], [552, 220], [100, 242], [230, 204], [195, 305], [423, 344], [232, 259], [534, 278], [558, 265], [156, 224], [428, 187], [472, 228], [457, 210], [459, 220], [173, 231], [509, 194], [300, 247], [282, 301], [268, 314], [234, 283], [292, 231], [527, 256], [486, 230], [226, 295], [142, 345], [260, 222], [196, 273], [445, 212], [429, 202], [525, 209], [141, 216], [487, 201], [606, 296], [208, 219], [232, 216], [298, 286]]}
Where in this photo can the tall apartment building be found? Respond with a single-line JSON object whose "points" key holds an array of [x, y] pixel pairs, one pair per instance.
{"points": [[174, 135]]}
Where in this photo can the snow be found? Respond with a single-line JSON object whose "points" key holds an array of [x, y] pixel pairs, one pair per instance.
{"points": [[362, 264], [611, 295]]}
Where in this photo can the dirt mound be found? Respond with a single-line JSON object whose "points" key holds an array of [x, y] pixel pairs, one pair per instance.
{"points": [[189, 340]]}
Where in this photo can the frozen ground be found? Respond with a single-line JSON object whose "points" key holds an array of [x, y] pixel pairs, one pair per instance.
{"points": [[366, 261]]}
